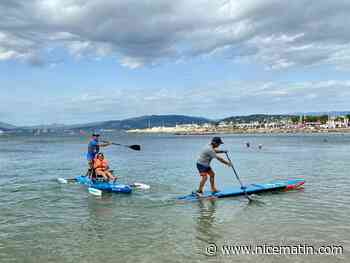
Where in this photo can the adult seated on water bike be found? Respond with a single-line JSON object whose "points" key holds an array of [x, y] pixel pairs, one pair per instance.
{"points": [[102, 168]]}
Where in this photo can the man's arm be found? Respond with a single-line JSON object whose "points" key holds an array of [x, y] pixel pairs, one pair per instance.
{"points": [[220, 151], [104, 144], [222, 160]]}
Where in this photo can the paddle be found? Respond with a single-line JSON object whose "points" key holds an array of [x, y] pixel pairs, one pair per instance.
{"points": [[134, 147], [94, 191], [239, 180], [66, 180]]}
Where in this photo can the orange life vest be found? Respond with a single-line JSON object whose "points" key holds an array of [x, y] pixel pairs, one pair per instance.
{"points": [[100, 164]]}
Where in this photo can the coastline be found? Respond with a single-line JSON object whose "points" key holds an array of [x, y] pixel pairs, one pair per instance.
{"points": [[172, 130]]}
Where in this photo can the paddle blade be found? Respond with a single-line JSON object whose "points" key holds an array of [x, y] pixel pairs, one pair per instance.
{"points": [[135, 147], [140, 186], [62, 180], [253, 200], [66, 180], [95, 191]]}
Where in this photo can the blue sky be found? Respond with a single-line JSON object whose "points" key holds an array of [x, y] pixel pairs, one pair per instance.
{"points": [[72, 61]]}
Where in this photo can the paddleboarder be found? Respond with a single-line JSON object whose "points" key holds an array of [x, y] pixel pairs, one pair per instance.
{"points": [[203, 164], [93, 149]]}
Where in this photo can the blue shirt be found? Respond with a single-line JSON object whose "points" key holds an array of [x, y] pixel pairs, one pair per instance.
{"points": [[93, 149]]}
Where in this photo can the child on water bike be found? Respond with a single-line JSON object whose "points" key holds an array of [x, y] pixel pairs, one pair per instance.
{"points": [[102, 168]]}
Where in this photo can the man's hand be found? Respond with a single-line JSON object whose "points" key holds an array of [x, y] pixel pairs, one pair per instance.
{"points": [[106, 143]]}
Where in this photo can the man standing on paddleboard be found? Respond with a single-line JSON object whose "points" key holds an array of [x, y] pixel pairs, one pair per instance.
{"points": [[93, 150], [203, 164]]}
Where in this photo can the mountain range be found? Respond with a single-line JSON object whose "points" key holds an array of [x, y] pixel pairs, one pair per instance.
{"points": [[142, 122], [330, 113], [131, 123], [161, 120], [5, 126], [256, 117]]}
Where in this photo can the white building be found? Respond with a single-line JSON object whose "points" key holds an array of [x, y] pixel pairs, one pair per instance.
{"points": [[339, 123]]}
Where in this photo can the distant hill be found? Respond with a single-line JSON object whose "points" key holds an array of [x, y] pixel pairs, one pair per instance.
{"points": [[44, 126], [5, 126], [160, 120], [256, 117], [142, 122], [330, 113]]}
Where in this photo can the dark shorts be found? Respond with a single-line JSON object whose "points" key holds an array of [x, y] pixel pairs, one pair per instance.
{"points": [[203, 168], [90, 156]]}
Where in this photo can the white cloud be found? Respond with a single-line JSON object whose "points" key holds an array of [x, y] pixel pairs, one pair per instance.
{"points": [[9, 54], [215, 100], [132, 63], [219, 100]]}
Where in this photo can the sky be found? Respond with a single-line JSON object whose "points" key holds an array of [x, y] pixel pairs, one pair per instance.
{"points": [[77, 61]]}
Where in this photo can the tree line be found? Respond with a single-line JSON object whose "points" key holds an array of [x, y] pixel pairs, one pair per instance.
{"points": [[322, 118]]}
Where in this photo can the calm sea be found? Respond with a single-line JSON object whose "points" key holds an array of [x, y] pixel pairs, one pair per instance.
{"points": [[43, 221]]}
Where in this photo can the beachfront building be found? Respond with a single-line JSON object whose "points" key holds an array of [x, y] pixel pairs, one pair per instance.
{"points": [[207, 125], [249, 125], [339, 122], [313, 125], [187, 126], [265, 124], [223, 124]]}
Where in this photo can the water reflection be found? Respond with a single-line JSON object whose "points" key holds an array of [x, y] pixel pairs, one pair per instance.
{"points": [[206, 221], [100, 212]]}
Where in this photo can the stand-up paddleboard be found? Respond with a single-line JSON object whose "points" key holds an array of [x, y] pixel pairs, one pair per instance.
{"points": [[278, 185]]}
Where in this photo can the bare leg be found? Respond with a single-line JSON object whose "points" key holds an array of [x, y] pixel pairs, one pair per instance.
{"points": [[110, 175], [204, 177], [212, 181], [103, 174], [90, 171]]}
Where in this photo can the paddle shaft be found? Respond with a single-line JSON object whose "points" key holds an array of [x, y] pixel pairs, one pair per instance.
{"points": [[118, 144], [234, 170], [133, 147], [236, 174]]}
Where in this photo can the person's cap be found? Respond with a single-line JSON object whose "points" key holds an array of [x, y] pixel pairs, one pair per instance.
{"points": [[217, 140], [95, 134]]}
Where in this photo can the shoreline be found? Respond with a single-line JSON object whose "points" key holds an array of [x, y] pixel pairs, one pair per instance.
{"points": [[242, 131]]}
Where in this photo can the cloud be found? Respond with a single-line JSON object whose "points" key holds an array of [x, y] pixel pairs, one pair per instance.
{"points": [[215, 100], [278, 34], [218, 100]]}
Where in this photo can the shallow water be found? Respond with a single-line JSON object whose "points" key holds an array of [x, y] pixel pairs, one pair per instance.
{"points": [[43, 221]]}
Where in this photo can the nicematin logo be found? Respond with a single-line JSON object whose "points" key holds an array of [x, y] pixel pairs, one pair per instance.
{"points": [[213, 249]]}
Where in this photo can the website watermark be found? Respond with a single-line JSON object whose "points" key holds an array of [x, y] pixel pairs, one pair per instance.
{"points": [[301, 249]]}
